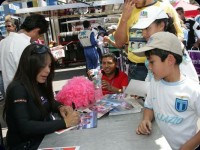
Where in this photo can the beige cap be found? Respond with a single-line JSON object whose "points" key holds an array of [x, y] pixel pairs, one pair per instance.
{"points": [[164, 41]]}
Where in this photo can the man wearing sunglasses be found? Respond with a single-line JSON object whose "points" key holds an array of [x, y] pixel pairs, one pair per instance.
{"points": [[14, 44], [10, 24]]}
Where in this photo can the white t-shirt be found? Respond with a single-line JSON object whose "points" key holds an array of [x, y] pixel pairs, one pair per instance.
{"points": [[11, 49], [176, 109]]}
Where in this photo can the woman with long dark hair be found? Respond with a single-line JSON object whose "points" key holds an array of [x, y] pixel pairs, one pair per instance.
{"points": [[29, 101]]}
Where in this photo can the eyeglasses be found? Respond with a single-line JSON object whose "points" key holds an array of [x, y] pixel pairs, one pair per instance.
{"points": [[40, 49], [8, 26]]}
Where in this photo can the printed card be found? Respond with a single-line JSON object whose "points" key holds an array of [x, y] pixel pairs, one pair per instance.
{"points": [[61, 148]]}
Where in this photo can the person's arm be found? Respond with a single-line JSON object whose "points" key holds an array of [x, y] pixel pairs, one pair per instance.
{"points": [[55, 106], [148, 114], [192, 143], [65, 110], [92, 39], [111, 88], [106, 39], [91, 73], [124, 81], [24, 121], [145, 126], [60, 108], [22, 115], [120, 35], [114, 89]]}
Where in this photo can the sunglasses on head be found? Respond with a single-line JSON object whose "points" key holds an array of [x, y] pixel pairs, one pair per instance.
{"points": [[40, 49]]}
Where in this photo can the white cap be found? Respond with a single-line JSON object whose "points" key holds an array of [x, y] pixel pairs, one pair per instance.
{"points": [[149, 15], [112, 27], [164, 41]]}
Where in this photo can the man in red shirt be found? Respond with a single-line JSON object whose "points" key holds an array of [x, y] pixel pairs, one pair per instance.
{"points": [[113, 80]]}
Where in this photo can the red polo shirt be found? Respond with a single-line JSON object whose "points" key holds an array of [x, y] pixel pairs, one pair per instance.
{"points": [[118, 81]]}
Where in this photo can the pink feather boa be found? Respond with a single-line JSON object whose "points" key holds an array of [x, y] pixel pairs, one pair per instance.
{"points": [[78, 90]]}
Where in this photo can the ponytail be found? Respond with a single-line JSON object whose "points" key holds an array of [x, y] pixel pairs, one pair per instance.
{"points": [[169, 24]]}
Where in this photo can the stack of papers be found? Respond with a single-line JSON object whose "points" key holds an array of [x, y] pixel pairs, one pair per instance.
{"points": [[114, 104], [88, 120], [137, 87], [100, 107], [121, 106]]}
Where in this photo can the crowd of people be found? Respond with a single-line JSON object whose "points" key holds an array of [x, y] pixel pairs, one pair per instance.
{"points": [[156, 37]]}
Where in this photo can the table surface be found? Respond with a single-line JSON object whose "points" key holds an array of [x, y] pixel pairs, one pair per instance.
{"points": [[112, 133]]}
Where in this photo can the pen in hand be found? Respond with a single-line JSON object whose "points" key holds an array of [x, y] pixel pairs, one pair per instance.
{"points": [[73, 106]]}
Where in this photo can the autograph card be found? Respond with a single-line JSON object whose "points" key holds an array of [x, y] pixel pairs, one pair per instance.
{"points": [[61, 148]]}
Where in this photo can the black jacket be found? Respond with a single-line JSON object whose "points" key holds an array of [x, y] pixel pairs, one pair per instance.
{"points": [[26, 124]]}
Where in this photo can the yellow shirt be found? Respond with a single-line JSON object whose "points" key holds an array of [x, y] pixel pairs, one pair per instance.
{"points": [[135, 16]]}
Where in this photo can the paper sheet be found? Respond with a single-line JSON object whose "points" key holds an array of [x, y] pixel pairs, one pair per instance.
{"points": [[58, 53], [61, 148], [136, 87]]}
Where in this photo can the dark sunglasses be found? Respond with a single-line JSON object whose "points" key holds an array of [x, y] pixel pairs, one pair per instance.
{"points": [[40, 49], [8, 26]]}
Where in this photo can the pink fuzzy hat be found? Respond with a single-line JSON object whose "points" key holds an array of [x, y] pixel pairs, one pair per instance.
{"points": [[78, 90]]}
